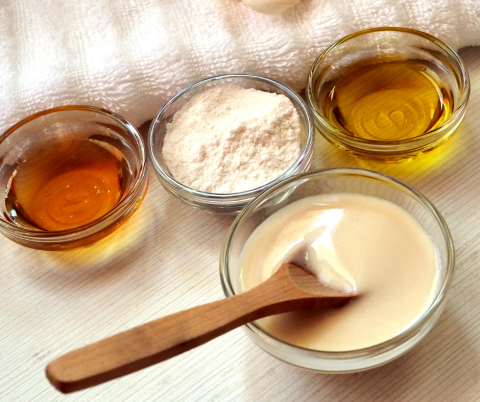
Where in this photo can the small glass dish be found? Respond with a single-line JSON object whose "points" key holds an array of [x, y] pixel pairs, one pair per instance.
{"points": [[362, 126], [340, 180], [110, 133], [234, 202]]}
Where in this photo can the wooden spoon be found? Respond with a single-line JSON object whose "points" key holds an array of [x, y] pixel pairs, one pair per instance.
{"points": [[290, 289]]}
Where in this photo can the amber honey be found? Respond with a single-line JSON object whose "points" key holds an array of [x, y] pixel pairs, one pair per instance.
{"points": [[66, 184], [387, 100]]}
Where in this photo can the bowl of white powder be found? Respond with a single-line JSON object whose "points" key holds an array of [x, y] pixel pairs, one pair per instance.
{"points": [[221, 142]]}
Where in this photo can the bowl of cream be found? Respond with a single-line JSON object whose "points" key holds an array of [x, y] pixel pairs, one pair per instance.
{"points": [[221, 142], [367, 232]]}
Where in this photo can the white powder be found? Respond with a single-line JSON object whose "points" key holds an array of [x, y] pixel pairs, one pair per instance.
{"points": [[230, 139]]}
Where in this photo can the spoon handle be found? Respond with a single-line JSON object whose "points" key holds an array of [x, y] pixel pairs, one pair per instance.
{"points": [[289, 289], [166, 337]]}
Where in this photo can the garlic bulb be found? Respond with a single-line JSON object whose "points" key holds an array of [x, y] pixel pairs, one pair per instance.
{"points": [[272, 7]]}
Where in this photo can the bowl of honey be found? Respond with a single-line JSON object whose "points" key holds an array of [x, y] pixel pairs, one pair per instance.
{"points": [[388, 94], [71, 175]]}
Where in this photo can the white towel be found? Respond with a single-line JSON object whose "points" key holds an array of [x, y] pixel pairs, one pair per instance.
{"points": [[131, 56]]}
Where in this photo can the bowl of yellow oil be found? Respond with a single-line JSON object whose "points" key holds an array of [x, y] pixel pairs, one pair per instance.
{"points": [[388, 94], [71, 176]]}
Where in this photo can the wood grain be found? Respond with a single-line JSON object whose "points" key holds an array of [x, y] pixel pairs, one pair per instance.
{"points": [[165, 259]]}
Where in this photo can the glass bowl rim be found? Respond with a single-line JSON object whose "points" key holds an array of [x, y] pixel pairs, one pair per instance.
{"points": [[305, 151], [382, 347], [109, 217], [343, 134]]}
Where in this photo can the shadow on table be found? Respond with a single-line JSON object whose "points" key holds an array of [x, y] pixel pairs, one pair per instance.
{"points": [[164, 240], [104, 262], [441, 367]]}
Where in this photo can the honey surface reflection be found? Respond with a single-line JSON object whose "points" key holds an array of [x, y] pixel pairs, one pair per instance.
{"points": [[64, 185]]}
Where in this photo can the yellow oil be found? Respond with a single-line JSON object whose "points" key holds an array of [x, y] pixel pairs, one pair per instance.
{"points": [[387, 100], [65, 185]]}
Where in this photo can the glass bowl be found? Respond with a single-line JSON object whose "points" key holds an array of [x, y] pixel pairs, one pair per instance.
{"points": [[59, 126], [340, 180], [234, 202], [367, 136]]}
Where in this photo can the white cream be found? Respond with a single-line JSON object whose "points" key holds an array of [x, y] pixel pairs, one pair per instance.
{"points": [[350, 242]]}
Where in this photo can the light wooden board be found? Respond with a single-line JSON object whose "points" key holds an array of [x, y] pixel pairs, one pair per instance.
{"points": [[165, 259]]}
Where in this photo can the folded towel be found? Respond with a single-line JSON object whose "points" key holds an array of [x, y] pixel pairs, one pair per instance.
{"points": [[131, 56]]}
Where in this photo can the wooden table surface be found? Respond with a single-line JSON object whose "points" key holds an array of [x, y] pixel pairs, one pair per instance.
{"points": [[165, 259]]}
